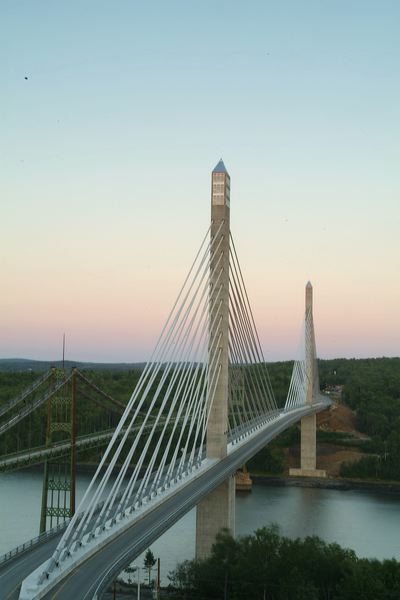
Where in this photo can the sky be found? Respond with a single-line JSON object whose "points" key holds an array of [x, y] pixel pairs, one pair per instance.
{"points": [[113, 115]]}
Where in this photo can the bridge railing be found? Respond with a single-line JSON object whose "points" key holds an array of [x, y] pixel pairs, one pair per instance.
{"points": [[27, 546], [244, 430], [37, 453], [27, 409], [45, 536], [24, 393], [56, 446]]}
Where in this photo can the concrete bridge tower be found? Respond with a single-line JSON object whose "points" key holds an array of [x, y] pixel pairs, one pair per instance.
{"points": [[308, 449], [217, 510]]}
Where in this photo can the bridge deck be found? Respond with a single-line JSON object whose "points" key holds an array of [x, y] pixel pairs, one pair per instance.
{"points": [[14, 571], [100, 568]]}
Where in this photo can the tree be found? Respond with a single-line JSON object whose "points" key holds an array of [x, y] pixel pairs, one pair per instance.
{"points": [[269, 566], [149, 562], [129, 570], [183, 579]]}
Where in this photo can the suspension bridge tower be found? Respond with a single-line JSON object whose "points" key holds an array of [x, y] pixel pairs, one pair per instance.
{"points": [[217, 510], [308, 444]]}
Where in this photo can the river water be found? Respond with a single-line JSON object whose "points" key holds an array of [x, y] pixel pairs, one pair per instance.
{"points": [[367, 522]]}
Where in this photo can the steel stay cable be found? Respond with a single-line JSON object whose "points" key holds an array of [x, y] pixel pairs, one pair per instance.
{"points": [[298, 396], [161, 470], [137, 468], [239, 415], [236, 362], [183, 381], [187, 502], [299, 353], [179, 349], [181, 459], [195, 401], [242, 310], [63, 541], [193, 398], [237, 373], [236, 261], [170, 335], [217, 374], [215, 339], [289, 397], [137, 389], [200, 408], [196, 407], [238, 309], [271, 404], [295, 385], [241, 359], [299, 390], [213, 367], [160, 345], [158, 348], [201, 400], [204, 321], [239, 335], [193, 383], [232, 384], [250, 311], [302, 383]]}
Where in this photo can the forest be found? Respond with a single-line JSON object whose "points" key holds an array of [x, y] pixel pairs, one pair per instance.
{"points": [[370, 387], [269, 566]]}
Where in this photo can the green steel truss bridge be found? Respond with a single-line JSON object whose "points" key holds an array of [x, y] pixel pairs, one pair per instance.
{"points": [[203, 405], [45, 396]]}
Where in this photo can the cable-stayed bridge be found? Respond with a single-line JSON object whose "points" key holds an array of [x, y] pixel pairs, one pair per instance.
{"points": [[202, 407]]}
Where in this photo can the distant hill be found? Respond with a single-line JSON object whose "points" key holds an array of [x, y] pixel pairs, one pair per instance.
{"points": [[26, 364]]}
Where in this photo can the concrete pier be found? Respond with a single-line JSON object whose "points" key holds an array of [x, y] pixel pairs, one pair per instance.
{"points": [[308, 449], [217, 511]]}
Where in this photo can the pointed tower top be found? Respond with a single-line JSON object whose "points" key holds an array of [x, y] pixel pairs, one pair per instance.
{"points": [[220, 168], [309, 295]]}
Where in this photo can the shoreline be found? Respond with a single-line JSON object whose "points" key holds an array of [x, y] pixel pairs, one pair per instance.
{"points": [[390, 487], [329, 484]]}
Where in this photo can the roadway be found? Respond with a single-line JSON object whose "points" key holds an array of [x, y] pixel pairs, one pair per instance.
{"points": [[38, 455], [14, 571], [31, 406], [92, 577], [24, 394], [18, 460]]}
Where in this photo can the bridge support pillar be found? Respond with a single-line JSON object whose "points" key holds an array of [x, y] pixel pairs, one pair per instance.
{"points": [[308, 449], [59, 477], [217, 510]]}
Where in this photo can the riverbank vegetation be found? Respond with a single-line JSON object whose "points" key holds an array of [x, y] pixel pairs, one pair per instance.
{"points": [[267, 565], [370, 387]]}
